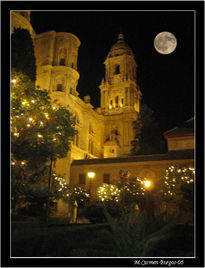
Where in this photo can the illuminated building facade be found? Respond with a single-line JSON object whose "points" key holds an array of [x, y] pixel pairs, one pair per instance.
{"points": [[107, 131]]}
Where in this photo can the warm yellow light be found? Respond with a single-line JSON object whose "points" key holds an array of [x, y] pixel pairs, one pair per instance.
{"points": [[147, 183], [91, 175], [30, 119], [13, 81], [33, 101], [110, 106]]}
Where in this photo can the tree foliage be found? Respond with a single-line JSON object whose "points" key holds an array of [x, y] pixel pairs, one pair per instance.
{"points": [[177, 186], [131, 191], [22, 56], [148, 138], [40, 129]]}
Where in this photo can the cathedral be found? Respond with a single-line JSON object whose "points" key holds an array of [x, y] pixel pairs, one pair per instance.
{"points": [[104, 134]]}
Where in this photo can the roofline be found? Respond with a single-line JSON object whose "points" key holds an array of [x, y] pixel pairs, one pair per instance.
{"points": [[171, 155]]}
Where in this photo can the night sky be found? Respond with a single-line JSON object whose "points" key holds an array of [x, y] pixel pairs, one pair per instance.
{"points": [[166, 81]]}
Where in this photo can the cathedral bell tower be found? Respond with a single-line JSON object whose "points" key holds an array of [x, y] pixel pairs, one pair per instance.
{"points": [[119, 90], [120, 99]]}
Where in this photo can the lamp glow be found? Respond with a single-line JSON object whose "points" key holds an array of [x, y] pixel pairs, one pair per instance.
{"points": [[91, 175], [147, 183]]}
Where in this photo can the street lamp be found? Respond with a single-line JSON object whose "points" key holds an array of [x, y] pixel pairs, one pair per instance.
{"points": [[149, 204], [123, 176], [91, 175], [147, 184]]}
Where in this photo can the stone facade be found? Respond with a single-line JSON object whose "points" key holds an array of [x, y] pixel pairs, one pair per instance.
{"points": [[108, 130]]}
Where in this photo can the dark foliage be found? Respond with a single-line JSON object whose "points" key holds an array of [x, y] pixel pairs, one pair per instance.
{"points": [[22, 56], [148, 139], [95, 213]]}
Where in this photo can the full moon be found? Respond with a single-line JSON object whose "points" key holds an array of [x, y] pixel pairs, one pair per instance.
{"points": [[165, 43]]}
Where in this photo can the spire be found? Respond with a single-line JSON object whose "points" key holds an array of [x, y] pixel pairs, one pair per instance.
{"points": [[120, 37]]}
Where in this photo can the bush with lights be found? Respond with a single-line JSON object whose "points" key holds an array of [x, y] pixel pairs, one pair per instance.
{"points": [[70, 194], [178, 186], [132, 190]]}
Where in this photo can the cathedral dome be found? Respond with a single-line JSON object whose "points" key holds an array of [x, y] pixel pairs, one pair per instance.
{"points": [[120, 48]]}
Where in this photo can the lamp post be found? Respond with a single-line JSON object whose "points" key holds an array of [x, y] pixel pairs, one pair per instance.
{"points": [[91, 175], [123, 176], [149, 204]]}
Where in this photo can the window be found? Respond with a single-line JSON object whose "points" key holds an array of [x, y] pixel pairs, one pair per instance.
{"points": [[90, 147], [126, 96], [91, 130], [82, 179], [106, 178], [76, 140], [117, 69], [116, 101], [62, 61], [59, 87]]}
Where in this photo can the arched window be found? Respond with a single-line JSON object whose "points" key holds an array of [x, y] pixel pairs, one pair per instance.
{"points": [[90, 146], [116, 101], [91, 129], [62, 53], [59, 82], [62, 61], [117, 69], [76, 140], [59, 87]]}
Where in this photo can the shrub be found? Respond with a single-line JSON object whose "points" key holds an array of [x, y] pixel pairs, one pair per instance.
{"points": [[94, 213]]}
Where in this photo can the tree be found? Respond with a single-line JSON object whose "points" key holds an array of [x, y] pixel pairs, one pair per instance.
{"points": [[132, 191], [177, 187], [148, 138], [22, 56], [41, 130]]}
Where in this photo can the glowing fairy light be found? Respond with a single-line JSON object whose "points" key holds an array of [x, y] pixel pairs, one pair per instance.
{"points": [[33, 101]]}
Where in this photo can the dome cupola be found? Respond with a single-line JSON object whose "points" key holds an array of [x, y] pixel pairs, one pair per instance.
{"points": [[120, 48]]}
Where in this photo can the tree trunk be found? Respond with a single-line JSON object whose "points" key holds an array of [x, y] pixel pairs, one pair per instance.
{"points": [[49, 187]]}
